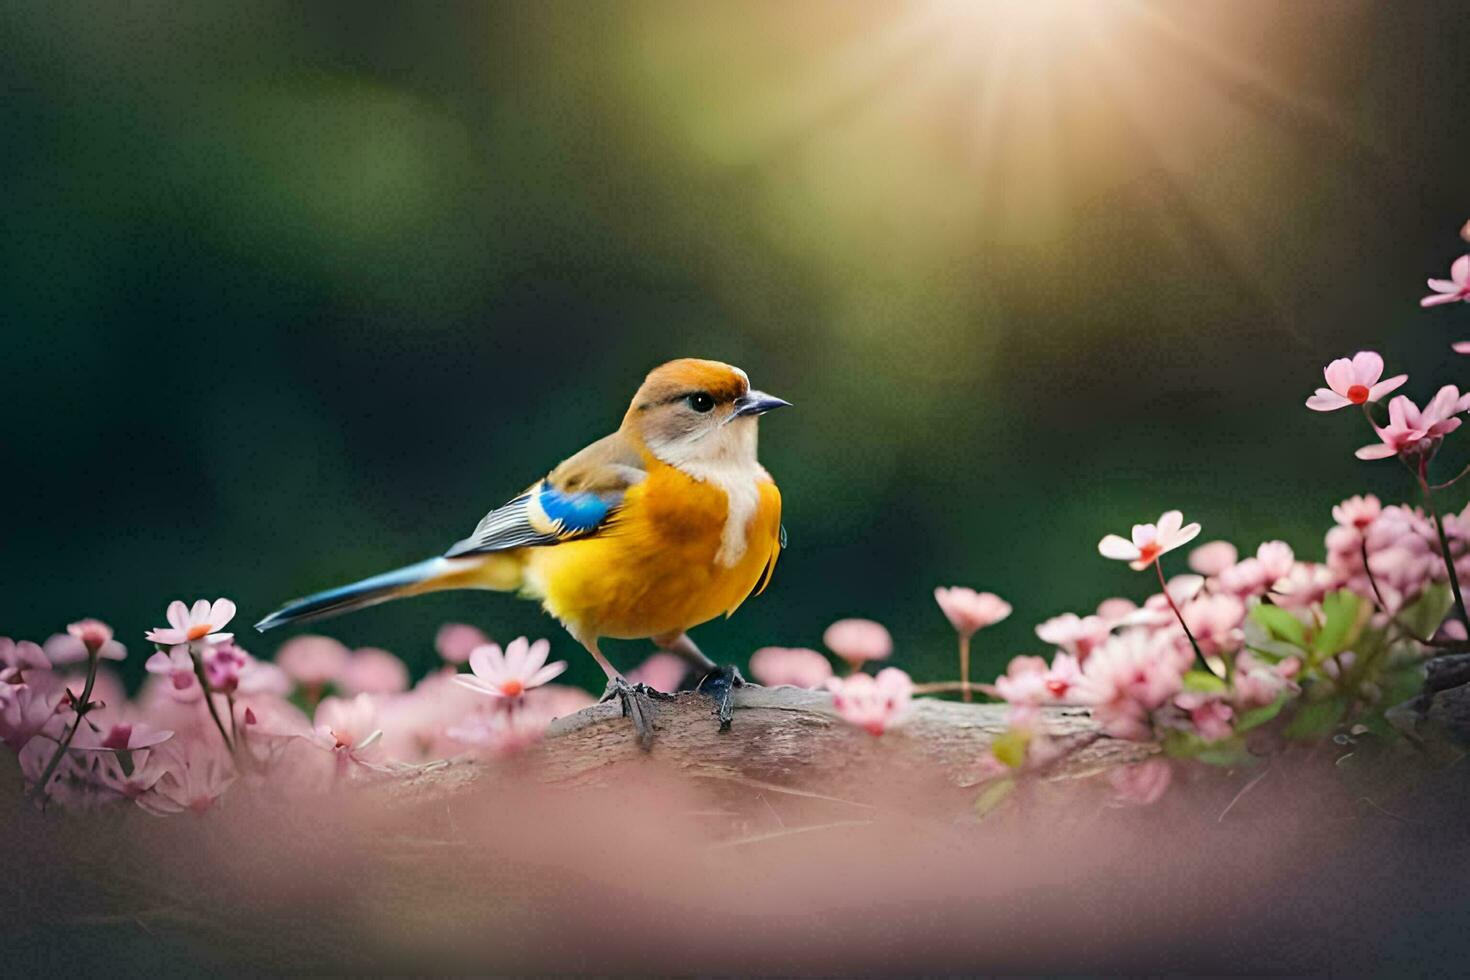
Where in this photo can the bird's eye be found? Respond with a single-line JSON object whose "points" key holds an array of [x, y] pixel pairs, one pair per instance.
{"points": [[700, 401]]}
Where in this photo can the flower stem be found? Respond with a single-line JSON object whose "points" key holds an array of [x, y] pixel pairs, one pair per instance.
{"points": [[1452, 480], [1377, 594], [965, 666], [209, 700], [1444, 543], [39, 790], [1159, 567]]}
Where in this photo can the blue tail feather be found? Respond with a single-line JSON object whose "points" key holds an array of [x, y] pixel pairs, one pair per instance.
{"points": [[358, 595]]}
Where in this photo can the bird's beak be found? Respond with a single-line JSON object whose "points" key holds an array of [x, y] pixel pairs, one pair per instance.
{"points": [[757, 403]]}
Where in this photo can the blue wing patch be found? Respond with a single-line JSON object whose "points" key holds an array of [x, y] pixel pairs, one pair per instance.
{"points": [[572, 512]]}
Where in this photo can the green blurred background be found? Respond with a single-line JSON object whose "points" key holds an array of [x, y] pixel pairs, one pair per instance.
{"points": [[292, 294]]}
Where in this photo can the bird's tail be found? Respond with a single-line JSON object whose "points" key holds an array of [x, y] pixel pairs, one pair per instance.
{"points": [[499, 571]]}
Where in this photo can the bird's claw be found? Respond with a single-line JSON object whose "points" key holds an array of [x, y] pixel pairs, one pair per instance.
{"points": [[720, 684], [635, 700]]}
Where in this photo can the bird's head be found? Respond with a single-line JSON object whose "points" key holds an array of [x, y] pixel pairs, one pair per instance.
{"points": [[691, 410]]}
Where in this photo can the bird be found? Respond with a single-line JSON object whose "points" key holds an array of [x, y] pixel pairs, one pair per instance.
{"points": [[663, 525]]}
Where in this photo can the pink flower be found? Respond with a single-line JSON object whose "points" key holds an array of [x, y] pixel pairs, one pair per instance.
{"points": [[1213, 557], [195, 775], [176, 665], [1143, 783], [661, 671], [502, 732], [1215, 621], [1208, 713], [872, 703], [1149, 541], [858, 640], [968, 610], [94, 634], [1353, 382], [1357, 512], [202, 621], [29, 709], [510, 674], [1078, 635], [223, 665], [1455, 289], [1461, 347], [21, 656], [119, 737], [1307, 583], [1114, 611], [1276, 558], [348, 728], [374, 671], [796, 666], [68, 648], [454, 641], [312, 661], [1029, 681], [1256, 684], [1129, 677], [1412, 432]]}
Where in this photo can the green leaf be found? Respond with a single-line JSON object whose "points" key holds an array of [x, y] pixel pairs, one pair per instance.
{"points": [[1280, 624], [1256, 717], [1336, 635], [1183, 745], [1425, 614], [1317, 718], [1010, 747], [1203, 683], [993, 795], [1228, 753]]}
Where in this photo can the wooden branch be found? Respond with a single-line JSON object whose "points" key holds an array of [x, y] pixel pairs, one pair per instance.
{"points": [[790, 739]]}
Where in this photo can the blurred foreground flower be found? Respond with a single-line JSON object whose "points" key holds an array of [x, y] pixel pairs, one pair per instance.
{"points": [[856, 641], [1354, 382], [454, 641], [1142, 783], [874, 704]]}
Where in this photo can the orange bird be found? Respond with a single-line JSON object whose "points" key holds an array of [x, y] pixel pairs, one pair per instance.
{"points": [[666, 523]]}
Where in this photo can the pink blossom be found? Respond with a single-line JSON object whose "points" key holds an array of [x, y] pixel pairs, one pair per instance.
{"points": [[968, 610], [68, 648], [313, 661], [1306, 584], [147, 769], [202, 621], [1354, 382], [223, 665], [347, 727], [858, 640], [1256, 684], [454, 641], [1414, 432], [1149, 541], [374, 671], [30, 709], [1276, 558], [1357, 512], [195, 775], [872, 703], [21, 656], [1215, 621], [264, 677], [1078, 635], [796, 666], [510, 674], [1213, 557], [1461, 347], [661, 671], [1208, 713], [1143, 783], [176, 665], [1031, 681], [1455, 289], [94, 634], [1130, 676], [119, 737], [1115, 610]]}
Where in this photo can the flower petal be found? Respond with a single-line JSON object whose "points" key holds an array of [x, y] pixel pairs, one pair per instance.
{"points": [[1385, 386], [1327, 400], [1116, 547]]}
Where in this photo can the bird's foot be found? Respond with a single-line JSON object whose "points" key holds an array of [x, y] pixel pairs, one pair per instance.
{"points": [[720, 684], [636, 700]]}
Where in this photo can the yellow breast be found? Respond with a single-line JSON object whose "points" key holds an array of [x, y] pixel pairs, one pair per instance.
{"points": [[669, 560]]}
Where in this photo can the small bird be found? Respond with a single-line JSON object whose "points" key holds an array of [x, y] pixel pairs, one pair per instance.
{"points": [[646, 533]]}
